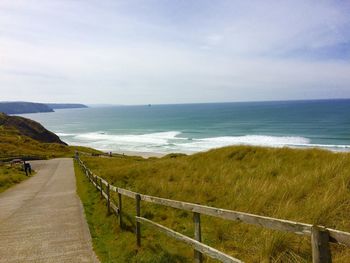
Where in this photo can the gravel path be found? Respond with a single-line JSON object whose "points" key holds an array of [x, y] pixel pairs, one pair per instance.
{"points": [[42, 219]]}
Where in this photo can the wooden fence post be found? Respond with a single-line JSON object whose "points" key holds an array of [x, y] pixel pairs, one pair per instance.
{"points": [[120, 210], [108, 200], [198, 257], [320, 245], [138, 225], [101, 189]]}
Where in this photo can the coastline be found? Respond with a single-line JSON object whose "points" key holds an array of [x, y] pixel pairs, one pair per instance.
{"points": [[195, 128]]}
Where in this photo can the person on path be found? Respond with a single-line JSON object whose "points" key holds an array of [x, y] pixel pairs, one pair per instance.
{"points": [[27, 168]]}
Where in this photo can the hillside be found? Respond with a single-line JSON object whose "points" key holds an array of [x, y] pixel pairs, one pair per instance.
{"points": [[31, 107], [21, 137], [29, 128], [310, 186], [23, 107]]}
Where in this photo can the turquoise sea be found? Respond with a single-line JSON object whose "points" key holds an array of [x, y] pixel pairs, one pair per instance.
{"points": [[191, 128]]}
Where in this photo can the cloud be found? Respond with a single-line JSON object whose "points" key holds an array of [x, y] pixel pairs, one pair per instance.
{"points": [[173, 51]]}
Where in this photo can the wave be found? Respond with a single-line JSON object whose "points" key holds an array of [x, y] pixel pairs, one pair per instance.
{"points": [[171, 141], [257, 140], [151, 138], [62, 134]]}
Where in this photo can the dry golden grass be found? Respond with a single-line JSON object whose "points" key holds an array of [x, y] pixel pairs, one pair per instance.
{"points": [[14, 144], [310, 186], [10, 176]]}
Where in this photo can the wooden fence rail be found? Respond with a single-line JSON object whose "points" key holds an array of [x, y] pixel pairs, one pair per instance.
{"points": [[320, 235], [197, 245]]}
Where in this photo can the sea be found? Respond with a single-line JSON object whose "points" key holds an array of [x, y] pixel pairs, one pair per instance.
{"points": [[190, 128]]}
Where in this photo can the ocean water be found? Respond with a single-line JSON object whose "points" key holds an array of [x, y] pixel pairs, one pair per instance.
{"points": [[190, 128]]}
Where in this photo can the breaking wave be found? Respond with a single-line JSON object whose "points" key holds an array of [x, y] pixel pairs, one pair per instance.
{"points": [[173, 141]]}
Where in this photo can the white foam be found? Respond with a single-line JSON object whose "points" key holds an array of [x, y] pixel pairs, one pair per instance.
{"points": [[158, 138], [166, 142], [257, 140], [62, 134]]}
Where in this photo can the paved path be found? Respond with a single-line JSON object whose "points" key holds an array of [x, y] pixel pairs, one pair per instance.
{"points": [[42, 219]]}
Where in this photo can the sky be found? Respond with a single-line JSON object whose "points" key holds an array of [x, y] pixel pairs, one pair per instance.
{"points": [[173, 51]]}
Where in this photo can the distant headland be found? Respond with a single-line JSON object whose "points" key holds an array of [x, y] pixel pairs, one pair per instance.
{"points": [[20, 107], [57, 106]]}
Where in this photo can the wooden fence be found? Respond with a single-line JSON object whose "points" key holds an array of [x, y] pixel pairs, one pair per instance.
{"points": [[320, 236]]}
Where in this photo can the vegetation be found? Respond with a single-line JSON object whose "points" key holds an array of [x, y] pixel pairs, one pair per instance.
{"points": [[110, 243], [29, 128], [310, 186], [10, 176], [24, 138]]}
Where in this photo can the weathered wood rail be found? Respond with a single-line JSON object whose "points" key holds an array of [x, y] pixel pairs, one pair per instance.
{"points": [[320, 236]]}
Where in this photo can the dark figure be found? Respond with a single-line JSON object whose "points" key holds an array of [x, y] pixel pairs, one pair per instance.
{"points": [[27, 168], [24, 167], [30, 169]]}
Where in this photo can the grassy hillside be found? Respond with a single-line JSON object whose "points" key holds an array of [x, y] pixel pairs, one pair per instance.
{"points": [[310, 186], [27, 139], [29, 128], [21, 137]]}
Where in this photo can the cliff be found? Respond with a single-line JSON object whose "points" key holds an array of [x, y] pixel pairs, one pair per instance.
{"points": [[20, 107], [23, 107], [29, 128]]}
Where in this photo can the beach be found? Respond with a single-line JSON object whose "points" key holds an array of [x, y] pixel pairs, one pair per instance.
{"points": [[145, 155], [190, 128]]}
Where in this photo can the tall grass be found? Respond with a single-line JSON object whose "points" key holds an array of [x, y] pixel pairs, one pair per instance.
{"points": [[14, 144], [310, 186], [10, 176]]}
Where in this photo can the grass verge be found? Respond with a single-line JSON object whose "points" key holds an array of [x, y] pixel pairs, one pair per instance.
{"points": [[112, 244]]}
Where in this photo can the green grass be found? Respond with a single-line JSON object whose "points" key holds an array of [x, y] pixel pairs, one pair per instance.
{"points": [[310, 186], [14, 144], [10, 176], [110, 243]]}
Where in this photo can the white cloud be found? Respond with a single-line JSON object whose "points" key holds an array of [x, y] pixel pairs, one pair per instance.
{"points": [[126, 52]]}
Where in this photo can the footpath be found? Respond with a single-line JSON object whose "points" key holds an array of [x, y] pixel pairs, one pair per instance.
{"points": [[42, 218]]}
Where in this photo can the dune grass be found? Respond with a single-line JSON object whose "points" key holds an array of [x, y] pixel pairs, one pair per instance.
{"points": [[13, 145], [10, 176], [310, 186]]}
